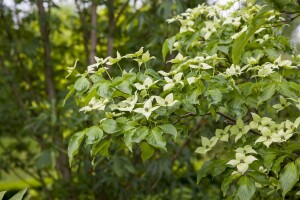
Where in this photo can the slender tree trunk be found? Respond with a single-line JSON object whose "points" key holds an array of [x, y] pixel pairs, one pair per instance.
{"points": [[85, 31], [112, 24], [93, 32], [45, 32], [111, 28]]}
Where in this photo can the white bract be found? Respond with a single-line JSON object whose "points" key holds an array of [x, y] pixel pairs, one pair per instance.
{"points": [[207, 144], [208, 29], [242, 162], [172, 82], [167, 101], [245, 150], [268, 137], [239, 129], [128, 104], [147, 109], [148, 82], [234, 70], [95, 104]]}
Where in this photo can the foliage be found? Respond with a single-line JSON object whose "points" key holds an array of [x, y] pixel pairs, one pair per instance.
{"points": [[233, 67]]}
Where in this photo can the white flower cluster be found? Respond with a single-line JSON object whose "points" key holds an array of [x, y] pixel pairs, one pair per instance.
{"points": [[271, 132]]}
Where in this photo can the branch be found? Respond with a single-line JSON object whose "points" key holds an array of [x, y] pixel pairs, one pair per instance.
{"points": [[233, 120], [121, 11], [187, 141]]}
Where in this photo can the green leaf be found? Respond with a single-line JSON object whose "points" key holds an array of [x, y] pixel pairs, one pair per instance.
{"points": [[288, 178], [167, 46], [269, 157], [44, 159], [102, 148], [285, 89], [74, 145], [170, 129], [140, 134], [218, 167], [156, 139], [240, 43], [104, 90], [203, 171], [110, 126], [227, 181], [193, 97], [259, 177], [268, 92], [94, 134], [147, 151], [297, 162], [215, 96], [19, 195], [2, 194], [128, 138], [246, 188], [70, 93], [82, 84], [125, 87], [277, 164]]}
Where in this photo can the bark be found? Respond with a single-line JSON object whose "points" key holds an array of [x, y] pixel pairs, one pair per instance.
{"points": [[111, 28], [112, 24], [44, 27], [84, 30], [93, 32]]}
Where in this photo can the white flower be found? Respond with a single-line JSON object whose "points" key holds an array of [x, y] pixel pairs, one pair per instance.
{"points": [[172, 82], [239, 129], [242, 162], [235, 21], [234, 70], [148, 82], [101, 61], [201, 66], [95, 104], [253, 61], [114, 60], [147, 109], [283, 63], [168, 101], [208, 29], [222, 135], [178, 58], [128, 104], [245, 150], [284, 135], [265, 71], [268, 137], [93, 68], [191, 80], [206, 144]]}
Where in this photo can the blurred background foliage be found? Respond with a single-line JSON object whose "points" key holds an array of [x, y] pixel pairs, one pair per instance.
{"points": [[39, 39]]}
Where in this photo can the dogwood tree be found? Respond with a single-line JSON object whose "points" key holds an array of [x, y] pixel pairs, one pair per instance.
{"points": [[231, 65]]}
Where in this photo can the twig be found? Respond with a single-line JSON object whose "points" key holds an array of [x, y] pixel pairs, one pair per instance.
{"points": [[187, 141], [194, 130], [121, 11], [233, 120]]}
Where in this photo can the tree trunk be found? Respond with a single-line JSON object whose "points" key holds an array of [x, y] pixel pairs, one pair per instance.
{"points": [[85, 31], [45, 32], [111, 27], [93, 32]]}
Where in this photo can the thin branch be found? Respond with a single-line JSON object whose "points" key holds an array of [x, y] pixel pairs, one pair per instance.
{"points": [[188, 139], [121, 11]]}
